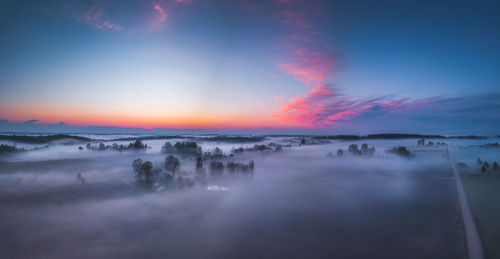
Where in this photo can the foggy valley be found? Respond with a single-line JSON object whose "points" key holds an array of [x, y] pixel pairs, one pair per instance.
{"points": [[300, 198]]}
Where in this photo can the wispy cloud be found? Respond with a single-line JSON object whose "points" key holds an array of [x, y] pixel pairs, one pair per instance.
{"points": [[324, 106], [159, 17], [149, 15], [313, 61], [309, 66], [95, 16]]}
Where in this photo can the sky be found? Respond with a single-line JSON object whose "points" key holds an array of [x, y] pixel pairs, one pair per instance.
{"points": [[311, 65]]}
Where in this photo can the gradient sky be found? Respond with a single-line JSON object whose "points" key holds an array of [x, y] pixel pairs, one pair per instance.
{"points": [[334, 66]]}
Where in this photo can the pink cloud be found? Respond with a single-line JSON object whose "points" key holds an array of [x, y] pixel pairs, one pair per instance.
{"points": [[162, 9], [313, 62], [309, 66], [95, 17], [162, 15], [323, 106]]}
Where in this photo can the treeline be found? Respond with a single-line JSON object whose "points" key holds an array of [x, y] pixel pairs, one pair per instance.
{"points": [[8, 149], [42, 139], [192, 149], [137, 145], [244, 139], [396, 136]]}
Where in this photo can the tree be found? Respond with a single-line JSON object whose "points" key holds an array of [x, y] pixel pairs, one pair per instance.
{"points": [[364, 147], [251, 165], [137, 165], [340, 152], [353, 148], [172, 164], [188, 148], [199, 164], [143, 171], [167, 147], [369, 151], [303, 141], [232, 167], [180, 182], [137, 145], [216, 167], [495, 165], [146, 171], [402, 151], [80, 148]]}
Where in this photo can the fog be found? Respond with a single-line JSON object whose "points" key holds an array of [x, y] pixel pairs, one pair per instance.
{"points": [[298, 203]]}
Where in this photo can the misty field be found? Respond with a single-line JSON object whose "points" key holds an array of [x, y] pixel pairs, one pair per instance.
{"points": [[301, 198], [483, 188]]}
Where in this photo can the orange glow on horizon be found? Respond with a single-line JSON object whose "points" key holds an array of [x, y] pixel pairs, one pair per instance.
{"points": [[140, 119]]}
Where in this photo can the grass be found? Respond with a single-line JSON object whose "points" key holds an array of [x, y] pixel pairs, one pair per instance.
{"points": [[483, 193]]}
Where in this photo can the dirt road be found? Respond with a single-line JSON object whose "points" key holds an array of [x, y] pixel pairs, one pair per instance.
{"points": [[474, 247]]}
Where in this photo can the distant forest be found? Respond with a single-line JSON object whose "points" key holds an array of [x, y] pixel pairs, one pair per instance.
{"points": [[224, 138]]}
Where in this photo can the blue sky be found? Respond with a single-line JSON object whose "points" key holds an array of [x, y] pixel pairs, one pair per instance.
{"points": [[315, 65]]}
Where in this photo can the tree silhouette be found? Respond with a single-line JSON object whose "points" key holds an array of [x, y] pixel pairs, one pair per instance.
{"points": [[172, 164]]}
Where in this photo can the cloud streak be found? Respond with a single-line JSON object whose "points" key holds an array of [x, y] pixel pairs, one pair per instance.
{"points": [[309, 66], [324, 106], [159, 17], [95, 16], [314, 63]]}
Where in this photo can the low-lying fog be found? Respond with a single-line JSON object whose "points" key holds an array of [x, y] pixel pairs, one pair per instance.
{"points": [[298, 203]]}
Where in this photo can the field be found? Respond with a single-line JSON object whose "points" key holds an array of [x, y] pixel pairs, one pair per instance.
{"points": [[482, 190], [301, 201]]}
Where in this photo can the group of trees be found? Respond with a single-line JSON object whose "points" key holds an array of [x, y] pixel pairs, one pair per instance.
{"points": [[6, 149], [182, 148], [218, 167], [401, 151], [234, 167], [486, 166], [354, 149], [491, 145], [169, 175], [136, 145], [147, 175], [271, 147], [421, 142], [216, 154]]}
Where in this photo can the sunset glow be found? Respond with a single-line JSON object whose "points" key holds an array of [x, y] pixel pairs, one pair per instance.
{"points": [[244, 64]]}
